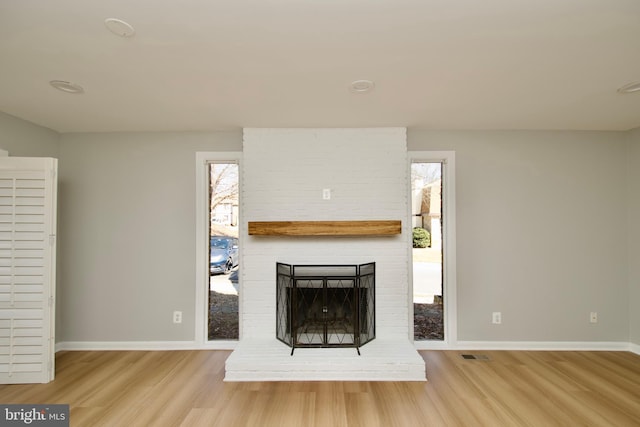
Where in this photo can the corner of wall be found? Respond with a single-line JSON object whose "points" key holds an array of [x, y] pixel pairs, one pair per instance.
{"points": [[633, 236], [26, 139]]}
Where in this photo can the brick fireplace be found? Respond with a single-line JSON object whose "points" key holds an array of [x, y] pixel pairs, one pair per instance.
{"points": [[285, 174]]}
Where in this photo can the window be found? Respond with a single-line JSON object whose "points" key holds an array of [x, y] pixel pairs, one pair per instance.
{"points": [[219, 249], [427, 221], [432, 191]]}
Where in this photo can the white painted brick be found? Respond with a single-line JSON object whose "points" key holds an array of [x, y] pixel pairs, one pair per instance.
{"points": [[283, 174]]}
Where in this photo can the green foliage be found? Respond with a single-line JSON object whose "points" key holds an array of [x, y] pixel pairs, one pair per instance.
{"points": [[421, 238]]}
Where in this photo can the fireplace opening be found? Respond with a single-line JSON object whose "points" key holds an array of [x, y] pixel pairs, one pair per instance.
{"points": [[325, 305]]}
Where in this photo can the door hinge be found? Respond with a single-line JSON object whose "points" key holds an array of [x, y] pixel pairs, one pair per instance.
{"points": [[50, 301], [52, 239]]}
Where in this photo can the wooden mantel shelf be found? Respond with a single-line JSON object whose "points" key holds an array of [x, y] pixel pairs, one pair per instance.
{"points": [[324, 228]]}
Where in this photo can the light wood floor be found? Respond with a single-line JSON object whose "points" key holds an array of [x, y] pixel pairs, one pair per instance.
{"points": [[185, 388]]}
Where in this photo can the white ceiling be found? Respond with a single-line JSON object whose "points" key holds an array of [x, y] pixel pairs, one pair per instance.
{"points": [[225, 64]]}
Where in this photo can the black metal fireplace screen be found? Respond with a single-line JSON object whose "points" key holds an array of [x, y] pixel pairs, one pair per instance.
{"points": [[325, 305]]}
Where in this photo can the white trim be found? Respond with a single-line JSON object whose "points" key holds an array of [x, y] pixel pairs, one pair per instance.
{"points": [[448, 159], [419, 345], [142, 345], [545, 346], [202, 229], [531, 346]]}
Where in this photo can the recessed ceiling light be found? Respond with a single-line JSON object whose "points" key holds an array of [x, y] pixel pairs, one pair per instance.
{"points": [[361, 86], [66, 87], [630, 88], [119, 27]]}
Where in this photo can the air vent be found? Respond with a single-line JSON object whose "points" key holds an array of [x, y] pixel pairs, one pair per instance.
{"points": [[475, 357]]}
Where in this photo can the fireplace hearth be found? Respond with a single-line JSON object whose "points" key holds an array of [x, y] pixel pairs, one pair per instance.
{"points": [[325, 305]]}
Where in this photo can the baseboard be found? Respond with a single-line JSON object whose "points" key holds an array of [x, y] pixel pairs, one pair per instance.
{"points": [[419, 345], [143, 345], [529, 345]]}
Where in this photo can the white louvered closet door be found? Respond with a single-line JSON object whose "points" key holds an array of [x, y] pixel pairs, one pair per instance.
{"points": [[28, 190]]}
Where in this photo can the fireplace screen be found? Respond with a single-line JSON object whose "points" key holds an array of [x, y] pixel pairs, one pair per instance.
{"points": [[325, 305]]}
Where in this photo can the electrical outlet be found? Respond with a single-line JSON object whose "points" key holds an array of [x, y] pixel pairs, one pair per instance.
{"points": [[496, 318], [326, 194], [593, 317], [177, 317]]}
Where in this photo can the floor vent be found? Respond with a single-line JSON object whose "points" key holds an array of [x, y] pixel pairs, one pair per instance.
{"points": [[475, 357]]}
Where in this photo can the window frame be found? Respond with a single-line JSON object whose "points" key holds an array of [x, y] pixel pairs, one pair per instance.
{"points": [[203, 159], [447, 158]]}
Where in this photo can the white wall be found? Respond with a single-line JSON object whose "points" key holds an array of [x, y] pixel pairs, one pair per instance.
{"points": [[127, 234], [541, 233], [634, 236], [284, 173]]}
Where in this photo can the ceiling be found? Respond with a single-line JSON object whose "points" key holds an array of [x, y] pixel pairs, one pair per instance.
{"points": [[202, 65]]}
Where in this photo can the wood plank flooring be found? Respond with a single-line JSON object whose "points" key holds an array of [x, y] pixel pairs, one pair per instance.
{"points": [[185, 388]]}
